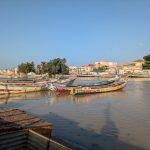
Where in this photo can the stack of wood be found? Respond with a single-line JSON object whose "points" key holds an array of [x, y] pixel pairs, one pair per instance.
{"points": [[15, 119]]}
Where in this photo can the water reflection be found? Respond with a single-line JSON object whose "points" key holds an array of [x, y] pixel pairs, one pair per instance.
{"points": [[88, 98], [83, 98], [54, 98], [109, 130], [22, 96]]}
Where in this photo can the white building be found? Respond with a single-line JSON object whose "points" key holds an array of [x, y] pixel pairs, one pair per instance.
{"points": [[105, 63]]}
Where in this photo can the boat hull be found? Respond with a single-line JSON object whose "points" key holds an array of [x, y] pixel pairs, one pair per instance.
{"points": [[11, 88], [89, 90], [62, 91]]}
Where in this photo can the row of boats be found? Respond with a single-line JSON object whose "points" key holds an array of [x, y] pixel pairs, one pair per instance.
{"points": [[15, 86], [62, 87]]}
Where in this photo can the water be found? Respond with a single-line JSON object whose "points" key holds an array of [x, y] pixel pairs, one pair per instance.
{"points": [[108, 121]]}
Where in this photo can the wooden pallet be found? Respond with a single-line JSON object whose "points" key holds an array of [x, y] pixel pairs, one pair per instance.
{"points": [[15, 119]]}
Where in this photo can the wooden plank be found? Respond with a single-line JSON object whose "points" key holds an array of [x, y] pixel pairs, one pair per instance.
{"points": [[28, 139], [41, 123], [15, 119], [35, 146], [13, 139], [29, 122], [37, 142], [10, 145], [6, 123], [57, 146], [16, 147], [22, 123], [52, 144], [33, 133], [12, 134], [30, 147], [10, 129], [35, 122], [37, 138], [20, 117], [44, 130], [11, 113]]}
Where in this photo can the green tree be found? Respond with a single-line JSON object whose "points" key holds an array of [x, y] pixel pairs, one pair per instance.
{"points": [[57, 66], [31, 67], [146, 58], [26, 67], [42, 68], [146, 65]]}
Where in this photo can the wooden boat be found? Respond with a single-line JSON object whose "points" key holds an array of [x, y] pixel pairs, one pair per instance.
{"points": [[20, 87], [59, 88], [106, 88]]}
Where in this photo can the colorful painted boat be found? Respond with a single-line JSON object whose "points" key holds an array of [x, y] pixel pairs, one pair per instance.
{"points": [[61, 88], [91, 90]]}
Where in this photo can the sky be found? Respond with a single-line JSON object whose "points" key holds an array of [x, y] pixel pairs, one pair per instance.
{"points": [[82, 31]]}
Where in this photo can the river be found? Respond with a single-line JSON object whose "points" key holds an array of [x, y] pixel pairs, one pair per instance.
{"points": [[109, 121]]}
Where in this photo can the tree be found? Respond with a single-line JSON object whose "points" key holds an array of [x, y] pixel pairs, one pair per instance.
{"points": [[26, 67], [54, 66], [42, 68], [31, 67], [146, 58], [57, 66], [146, 65]]}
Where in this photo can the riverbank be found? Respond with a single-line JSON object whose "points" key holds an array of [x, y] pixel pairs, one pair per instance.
{"points": [[139, 79], [118, 120]]}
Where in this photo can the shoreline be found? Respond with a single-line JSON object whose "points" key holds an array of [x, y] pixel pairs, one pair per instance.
{"points": [[139, 79]]}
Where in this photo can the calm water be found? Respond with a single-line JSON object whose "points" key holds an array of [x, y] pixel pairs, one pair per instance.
{"points": [[108, 121]]}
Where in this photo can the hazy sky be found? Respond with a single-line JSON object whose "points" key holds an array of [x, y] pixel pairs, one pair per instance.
{"points": [[82, 31]]}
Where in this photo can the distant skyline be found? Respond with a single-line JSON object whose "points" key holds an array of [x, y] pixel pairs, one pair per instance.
{"points": [[82, 31]]}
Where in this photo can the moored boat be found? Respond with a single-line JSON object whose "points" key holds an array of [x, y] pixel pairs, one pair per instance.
{"points": [[87, 88], [62, 88], [20, 87], [105, 88]]}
